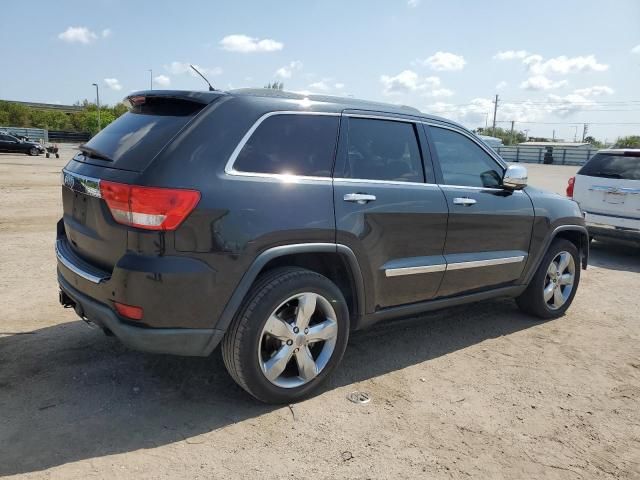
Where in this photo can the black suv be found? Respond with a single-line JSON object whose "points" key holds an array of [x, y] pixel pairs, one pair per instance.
{"points": [[277, 223]]}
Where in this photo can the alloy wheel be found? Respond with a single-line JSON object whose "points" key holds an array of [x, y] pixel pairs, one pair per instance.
{"points": [[298, 340], [559, 280]]}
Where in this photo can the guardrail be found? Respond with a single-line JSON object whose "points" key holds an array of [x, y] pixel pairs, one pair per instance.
{"points": [[557, 156]]}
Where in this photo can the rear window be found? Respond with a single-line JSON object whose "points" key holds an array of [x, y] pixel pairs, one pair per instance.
{"points": [[291, 145], [135, 138], [625, 167]]}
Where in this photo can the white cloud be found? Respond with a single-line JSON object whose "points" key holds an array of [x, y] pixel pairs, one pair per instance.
{"points": [[246, 44], [475, 113], [413, 3], [636, 49], [501, 85], [106, 33], [113, 84], [321, 86], [540, 82], [408, 81], [563, 65], [78, 35], [162, 80], [326, 85], [444, 61], [441, 92], [180, 68], [511, 55], [594, 91], [287, 70]]}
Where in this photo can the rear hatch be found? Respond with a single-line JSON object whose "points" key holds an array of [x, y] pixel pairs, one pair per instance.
{"points": [[119, 153], [609, 186]]}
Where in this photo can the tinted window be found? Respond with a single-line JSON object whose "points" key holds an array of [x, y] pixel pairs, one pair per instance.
{"points": [[291, 144], [613, 166], [463, 162], [135, 138], [383, 150]]}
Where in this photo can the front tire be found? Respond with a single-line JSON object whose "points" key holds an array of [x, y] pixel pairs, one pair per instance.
{"points": [[552, 288], [33, 152], [288, 336]]}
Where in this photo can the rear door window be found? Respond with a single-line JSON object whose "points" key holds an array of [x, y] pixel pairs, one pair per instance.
{"points": [[604, 165], [291, 144], [382, 150], [134, 139]]}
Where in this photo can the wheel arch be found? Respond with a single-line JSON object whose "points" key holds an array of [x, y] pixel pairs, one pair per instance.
{"points": [[335, 261], [576, 234]]}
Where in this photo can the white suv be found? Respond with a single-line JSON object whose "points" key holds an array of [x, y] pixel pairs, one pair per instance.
{"points": [[607, 188]]}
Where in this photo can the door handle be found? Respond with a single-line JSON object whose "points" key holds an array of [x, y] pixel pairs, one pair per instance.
{"points": [[359, 198], [467, 202]]}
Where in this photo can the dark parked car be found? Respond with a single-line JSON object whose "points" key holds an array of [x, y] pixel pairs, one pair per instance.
{"points": [[11, 144], [275, 224]]}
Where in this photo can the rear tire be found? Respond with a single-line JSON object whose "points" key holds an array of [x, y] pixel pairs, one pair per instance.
{"points": [[552, 288], [289, 335]]}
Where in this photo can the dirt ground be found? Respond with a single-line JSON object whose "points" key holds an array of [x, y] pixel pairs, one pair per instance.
{"points": [[479, 391]]}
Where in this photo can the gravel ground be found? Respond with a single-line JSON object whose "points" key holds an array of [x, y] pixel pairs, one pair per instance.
{"points": [[478, 391]]}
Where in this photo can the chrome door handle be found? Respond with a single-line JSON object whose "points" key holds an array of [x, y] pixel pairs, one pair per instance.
{"points": [[360, 198], [467, 202]]}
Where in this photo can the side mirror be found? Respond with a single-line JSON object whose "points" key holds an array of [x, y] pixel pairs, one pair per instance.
{"points": [[515, 177]]}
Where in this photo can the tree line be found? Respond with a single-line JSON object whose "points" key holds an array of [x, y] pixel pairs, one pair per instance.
{"points": [[86, 120]]}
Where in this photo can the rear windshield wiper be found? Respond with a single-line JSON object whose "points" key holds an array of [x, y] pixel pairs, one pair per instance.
{"points": [[93, 153]]}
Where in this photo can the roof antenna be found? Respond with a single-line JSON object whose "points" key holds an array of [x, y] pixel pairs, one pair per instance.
{"points": [[211, 89]]}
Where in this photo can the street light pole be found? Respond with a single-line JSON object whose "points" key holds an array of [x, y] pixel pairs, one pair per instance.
{"points": [[151, 78], [98, 103]]}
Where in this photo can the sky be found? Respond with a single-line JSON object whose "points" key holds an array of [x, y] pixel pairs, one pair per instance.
{"points": [[554, 64]]}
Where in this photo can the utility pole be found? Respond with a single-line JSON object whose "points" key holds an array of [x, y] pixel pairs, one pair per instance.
{"points": [[585, 130], [553, 135], [511, 136], [151, 78], [575, 134], [526, 135], [495, 112], [98, 103]]}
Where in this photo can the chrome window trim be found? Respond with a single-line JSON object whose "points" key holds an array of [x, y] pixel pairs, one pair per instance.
{"points": [[445, 267], [81, 183], [386, 182], [229, 170], [382, 117]]}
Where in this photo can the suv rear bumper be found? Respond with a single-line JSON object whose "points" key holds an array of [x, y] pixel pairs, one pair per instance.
{"points": [[619, 228], [174, 341]]}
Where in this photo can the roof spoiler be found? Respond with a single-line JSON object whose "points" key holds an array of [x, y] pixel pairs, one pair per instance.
{"points": [[203, 98]]}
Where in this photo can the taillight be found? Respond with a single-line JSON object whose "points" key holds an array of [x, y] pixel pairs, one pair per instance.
{"points": [[129, 311], [572, 182], [150, 208]]}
